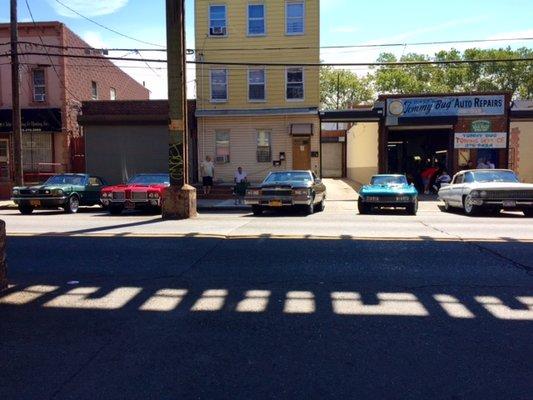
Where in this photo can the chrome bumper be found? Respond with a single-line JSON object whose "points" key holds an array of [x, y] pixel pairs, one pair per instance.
{"points": [[45, 201], [149, 202], [285, 201]]}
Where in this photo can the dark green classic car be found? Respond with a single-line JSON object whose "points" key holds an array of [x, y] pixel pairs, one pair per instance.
{"points": [[67, 191]]}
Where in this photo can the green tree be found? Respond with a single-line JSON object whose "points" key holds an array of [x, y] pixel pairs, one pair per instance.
{"points": [[341, 89]]}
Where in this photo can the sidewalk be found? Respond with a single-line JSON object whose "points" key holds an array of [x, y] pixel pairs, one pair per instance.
{"points": [[227, 205]]}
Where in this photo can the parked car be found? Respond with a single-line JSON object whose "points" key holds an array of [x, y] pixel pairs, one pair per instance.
{"points": [[391, 191], [143, 191], [288, 189], [487, 190], [67, 191]]}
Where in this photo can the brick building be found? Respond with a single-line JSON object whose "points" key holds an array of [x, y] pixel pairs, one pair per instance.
{"points": [[52, 89]]}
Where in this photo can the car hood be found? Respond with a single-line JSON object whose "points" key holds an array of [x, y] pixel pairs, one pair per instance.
{"points": [[287, 185], [388, 189], [135, 187], [43, 187], [501, 186]]}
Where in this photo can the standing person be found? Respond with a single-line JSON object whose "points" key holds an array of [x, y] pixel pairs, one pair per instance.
{"points": [[208, 174], [241, 182], [443, 177], [427, 176], [490, 164], [482, 164]]}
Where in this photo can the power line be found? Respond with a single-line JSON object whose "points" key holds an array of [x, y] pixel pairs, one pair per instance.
{"points": [[107, 28], [336, 47], [270, 64]]}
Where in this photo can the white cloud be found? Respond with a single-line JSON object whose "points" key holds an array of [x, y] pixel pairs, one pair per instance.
{"points": [[88, 8], [94, 39]]}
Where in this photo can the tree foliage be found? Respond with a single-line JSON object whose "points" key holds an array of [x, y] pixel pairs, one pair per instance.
{"points": [[515, 77]]}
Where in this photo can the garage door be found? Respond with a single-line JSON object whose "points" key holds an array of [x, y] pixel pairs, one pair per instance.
{"points": [[332, 160]]}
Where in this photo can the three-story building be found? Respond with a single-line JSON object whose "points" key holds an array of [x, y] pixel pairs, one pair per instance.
{"points": [[259, 117]]}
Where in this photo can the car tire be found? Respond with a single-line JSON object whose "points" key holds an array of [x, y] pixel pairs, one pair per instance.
{"points": [[310, 209], [257, 210], [25, 210], [321, 206], [412, 209], [73, 205], [528, 212], [362, 207], [470, 209], [116, 210]]}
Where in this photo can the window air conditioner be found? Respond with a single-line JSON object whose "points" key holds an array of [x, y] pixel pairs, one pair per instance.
{"points": [[217, 31], [39, 97], [222, 159]]}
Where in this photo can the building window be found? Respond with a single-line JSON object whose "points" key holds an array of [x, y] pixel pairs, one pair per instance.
{"points": [[37, 152], [256, 85], [222, 148], [94, 90], [219, 85], [112, 94], [256, 19], [217, 20], [295, 22], [39, 85], [295, 83], [264, 148]]}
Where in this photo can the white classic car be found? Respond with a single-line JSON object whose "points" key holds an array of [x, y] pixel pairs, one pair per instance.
{"points": [[488, 190]]}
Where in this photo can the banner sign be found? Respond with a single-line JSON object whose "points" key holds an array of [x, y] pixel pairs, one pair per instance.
{"points": [[481, 140], [452, 106], [33, 120]]}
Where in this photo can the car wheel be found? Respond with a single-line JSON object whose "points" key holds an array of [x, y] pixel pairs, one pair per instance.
{"points": [[73, 205], [528, 212], [321, 206], [362, 207], [412, 209], [116, 210], [470, 208], [310, 209], [25, 210], [257, 210]]}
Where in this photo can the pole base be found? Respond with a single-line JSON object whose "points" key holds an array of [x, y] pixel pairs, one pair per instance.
{"points": [[180, 203]]}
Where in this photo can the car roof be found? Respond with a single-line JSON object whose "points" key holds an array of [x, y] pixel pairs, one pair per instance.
{"points": [[485, 170], [392, 175]]}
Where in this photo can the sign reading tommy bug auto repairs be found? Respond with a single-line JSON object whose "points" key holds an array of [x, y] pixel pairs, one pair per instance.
{"points": [[450, 106]]}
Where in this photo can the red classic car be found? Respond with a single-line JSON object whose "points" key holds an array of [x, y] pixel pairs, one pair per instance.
{"points": [[143, 191]]}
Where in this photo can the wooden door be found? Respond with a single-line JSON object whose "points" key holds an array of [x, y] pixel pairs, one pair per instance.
{"points": [[301, 154]]}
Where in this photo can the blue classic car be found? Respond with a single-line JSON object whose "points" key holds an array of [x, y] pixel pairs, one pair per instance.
{"points": [[392, 191]]}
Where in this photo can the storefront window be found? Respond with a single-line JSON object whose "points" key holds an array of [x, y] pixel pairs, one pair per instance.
{"points": [[4, 160], [36, 152], [222, 148]]}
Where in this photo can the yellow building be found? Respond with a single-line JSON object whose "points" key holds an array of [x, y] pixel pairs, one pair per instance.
{"points": [[259, 117]]}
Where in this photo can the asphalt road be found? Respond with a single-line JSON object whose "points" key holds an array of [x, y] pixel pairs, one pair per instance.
{"points": [[229, 306]]}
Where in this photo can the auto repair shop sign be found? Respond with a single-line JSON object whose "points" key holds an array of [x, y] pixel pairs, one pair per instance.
{"points": [[481, 140], [452, 106]]}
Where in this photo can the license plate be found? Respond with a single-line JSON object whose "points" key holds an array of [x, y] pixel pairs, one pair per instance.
{"points": [[129, 205], [509, 203], [275, 203], [35, 203]]}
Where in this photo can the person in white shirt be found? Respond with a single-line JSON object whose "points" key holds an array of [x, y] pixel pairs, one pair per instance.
{"points": [[490, 164], [241, 182], [208, 175], [482, 164]]}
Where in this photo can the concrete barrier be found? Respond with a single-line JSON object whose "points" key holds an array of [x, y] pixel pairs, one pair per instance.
{"points": [[3, 265]]}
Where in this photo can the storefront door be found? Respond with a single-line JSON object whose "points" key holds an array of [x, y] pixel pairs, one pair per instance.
{"points": [[301, 153], [5, 170]]}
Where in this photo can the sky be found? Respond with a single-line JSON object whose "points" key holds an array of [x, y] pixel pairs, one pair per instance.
{"points": [[343, 22]]}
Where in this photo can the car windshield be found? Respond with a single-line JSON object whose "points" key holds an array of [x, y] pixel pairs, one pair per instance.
{"points": [[66, 180], [152, 179], [389, 180], [288, 177], [495, 176]]}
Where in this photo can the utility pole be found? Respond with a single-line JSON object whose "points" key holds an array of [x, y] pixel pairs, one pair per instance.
{"points": [[16, 122], [180, 197]]}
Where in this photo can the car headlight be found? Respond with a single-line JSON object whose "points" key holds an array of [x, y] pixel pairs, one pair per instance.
{"points": [[150, 195], [253, 192], [16, 192], [483, 193], [475, 193], [57, 192], [106, 195], [157, 195], [301, 192]]}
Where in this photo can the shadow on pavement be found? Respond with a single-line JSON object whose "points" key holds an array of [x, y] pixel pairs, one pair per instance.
{"points": [[265, 318]]}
